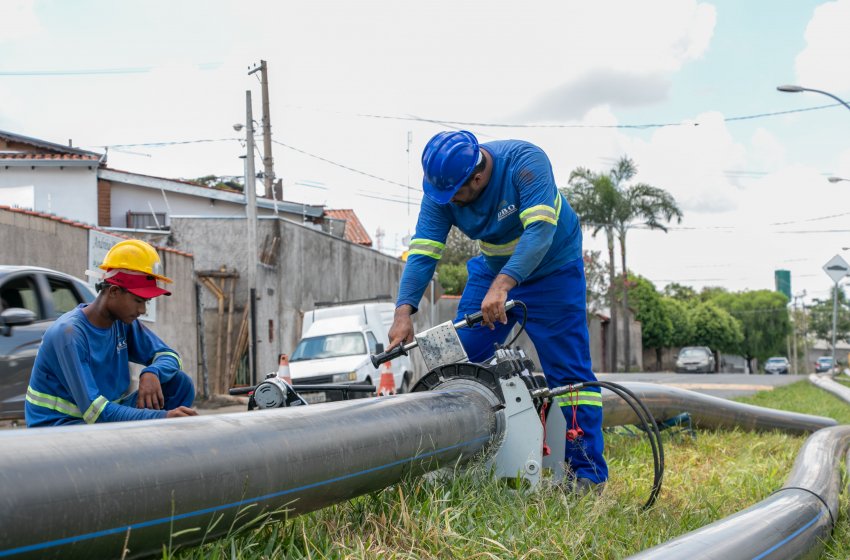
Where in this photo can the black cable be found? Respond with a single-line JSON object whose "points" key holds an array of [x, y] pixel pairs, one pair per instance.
{"points": [[522, 324], [650, 427], [653, 433]]}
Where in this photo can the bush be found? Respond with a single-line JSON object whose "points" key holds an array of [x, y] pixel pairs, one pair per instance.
{"points": [[452, 278]]}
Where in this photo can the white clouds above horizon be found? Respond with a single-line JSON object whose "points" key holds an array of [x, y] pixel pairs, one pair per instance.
{"points": [[824, 61]]}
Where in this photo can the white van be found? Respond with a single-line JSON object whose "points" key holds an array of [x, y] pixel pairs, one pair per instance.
{"points": [[335, 346]]}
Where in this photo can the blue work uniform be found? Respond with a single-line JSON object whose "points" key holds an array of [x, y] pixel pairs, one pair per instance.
{"points": [[528, 231], [81, 373]]}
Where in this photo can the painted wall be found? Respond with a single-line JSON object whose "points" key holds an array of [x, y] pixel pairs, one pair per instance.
{"points": [[65, 191]]}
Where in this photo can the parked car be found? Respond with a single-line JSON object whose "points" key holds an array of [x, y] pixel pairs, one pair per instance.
{"points": [[777, 365], [31, 298], [695, 359], [336, 342], [824, 364]]}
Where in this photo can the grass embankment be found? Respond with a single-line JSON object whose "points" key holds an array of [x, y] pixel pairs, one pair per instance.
{"points": [[707, 477]]}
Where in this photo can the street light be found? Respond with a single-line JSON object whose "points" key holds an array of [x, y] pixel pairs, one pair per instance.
{"points": [[798, 89], [836, 179]]}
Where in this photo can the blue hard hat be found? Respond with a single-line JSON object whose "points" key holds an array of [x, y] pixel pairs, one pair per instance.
{"points": [[448, 161]]}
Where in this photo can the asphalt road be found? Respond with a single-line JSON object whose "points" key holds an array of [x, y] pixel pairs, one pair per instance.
{"points": [[725, 385]]}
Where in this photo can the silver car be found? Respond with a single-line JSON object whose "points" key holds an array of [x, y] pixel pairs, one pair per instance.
{"points": [[777, 365], [31, 299], [695, 359]]}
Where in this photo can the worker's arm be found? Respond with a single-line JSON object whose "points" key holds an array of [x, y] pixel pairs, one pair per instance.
{"points": [[77, 375], [161, 364], [540, 205], [425, 251]]}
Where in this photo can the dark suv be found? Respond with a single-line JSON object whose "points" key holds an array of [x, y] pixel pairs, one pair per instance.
{"points": [[31, 298]]}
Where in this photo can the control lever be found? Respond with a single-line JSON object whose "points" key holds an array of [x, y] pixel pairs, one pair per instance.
{"points": [[403, 349]]}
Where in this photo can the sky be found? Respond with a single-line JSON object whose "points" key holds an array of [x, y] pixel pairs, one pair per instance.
{"points": [[685, 88]]}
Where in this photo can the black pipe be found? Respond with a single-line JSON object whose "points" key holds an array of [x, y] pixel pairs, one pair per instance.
{"points": [[80, 491], [706, 411], [793, 522]]}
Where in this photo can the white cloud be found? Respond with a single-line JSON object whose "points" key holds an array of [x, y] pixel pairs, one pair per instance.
{"points": [[19, 21], [823, 62], [766, 151]]}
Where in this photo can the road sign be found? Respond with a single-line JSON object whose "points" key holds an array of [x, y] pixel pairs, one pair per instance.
{"points": [[837, 268]]}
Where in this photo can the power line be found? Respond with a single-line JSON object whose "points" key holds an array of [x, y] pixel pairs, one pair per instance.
{"points": [[346, 167], [97, 71]]}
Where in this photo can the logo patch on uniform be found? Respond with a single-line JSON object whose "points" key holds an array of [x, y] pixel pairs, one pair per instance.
{"points": [[122, 345], [506, 211]]}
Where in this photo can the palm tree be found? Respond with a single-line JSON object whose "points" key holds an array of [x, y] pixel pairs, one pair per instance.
{"points": [[602, 202], [639, 205]]}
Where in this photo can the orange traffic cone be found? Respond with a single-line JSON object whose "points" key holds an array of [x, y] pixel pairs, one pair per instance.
{"points": [[283, 369], [387, 385]]}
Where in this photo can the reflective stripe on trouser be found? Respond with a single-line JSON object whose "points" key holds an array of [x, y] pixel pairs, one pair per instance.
{"points": [[177, 391], [557, 325]]}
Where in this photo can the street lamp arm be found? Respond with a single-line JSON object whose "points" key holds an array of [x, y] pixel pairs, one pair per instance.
{"points": [[797, 89]]}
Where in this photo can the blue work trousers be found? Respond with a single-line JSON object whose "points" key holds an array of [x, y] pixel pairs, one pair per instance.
{"points": [[177, 391], [557, 325]]}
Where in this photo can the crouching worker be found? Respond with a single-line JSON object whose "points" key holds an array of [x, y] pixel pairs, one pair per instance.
{"points": [[82, 374]]}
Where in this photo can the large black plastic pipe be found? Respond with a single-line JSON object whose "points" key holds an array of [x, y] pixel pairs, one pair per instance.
{"points": [[81, 492], [707, 411], [792, 523]]}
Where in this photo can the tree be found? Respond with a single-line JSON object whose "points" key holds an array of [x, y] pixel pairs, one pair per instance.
{"points": [[597, 287], [656, 326], [763, 315], [603, 201], [452, 278], [459, 248], [216, 182], [716, 328], [451, 272], [821, 318], [680, 319], [679, 292]]}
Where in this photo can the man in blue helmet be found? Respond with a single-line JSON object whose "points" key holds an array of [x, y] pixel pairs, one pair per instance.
{"points": [[503, 194]]}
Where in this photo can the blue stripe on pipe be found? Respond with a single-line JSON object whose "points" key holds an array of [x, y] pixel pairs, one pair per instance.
{"points": [[106, 532], [789, 537]]}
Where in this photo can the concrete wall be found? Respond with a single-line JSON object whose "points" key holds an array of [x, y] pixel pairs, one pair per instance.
{"points": [[308, 267], [29, 239], [65, 191]]}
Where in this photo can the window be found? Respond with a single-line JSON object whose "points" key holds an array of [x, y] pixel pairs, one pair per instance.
{"points": [[21, 291], [64, 297], [146, 220], [373, 342]]}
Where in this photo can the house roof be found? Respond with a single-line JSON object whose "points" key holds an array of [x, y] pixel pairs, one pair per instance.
{"points": [[18, 147], [190, 188], [82, 225], [354, 230]]}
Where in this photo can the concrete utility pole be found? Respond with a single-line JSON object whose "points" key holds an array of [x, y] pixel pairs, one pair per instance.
{"points": [[268, 160], [251, 214]]}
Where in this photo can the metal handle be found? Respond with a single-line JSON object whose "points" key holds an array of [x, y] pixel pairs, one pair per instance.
{"points": [[475, 318], [400, 350]]}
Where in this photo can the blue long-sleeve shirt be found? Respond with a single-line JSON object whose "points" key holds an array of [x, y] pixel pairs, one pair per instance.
{"points": [[525, 227], [81, 370]]}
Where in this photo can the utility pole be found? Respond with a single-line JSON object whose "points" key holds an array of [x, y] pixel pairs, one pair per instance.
{"points": [[268, 160], [251, 214]]}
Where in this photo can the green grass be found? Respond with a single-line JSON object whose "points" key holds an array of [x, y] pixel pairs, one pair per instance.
{"points": [[470, 516]]}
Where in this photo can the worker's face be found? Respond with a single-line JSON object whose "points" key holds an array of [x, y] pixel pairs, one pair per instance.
{"points": [[124, 306], [469, 191]]}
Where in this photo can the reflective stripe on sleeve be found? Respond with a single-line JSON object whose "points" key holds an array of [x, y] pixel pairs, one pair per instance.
{"points": [[173, 354], [589, 398], [539, 213], [93, 412], [433, 249], [503, 250], [53, 403]]}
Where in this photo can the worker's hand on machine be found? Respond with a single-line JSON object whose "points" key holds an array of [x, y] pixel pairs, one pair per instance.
{"points": [[401, 331], [181, 411], [493, 304], [150, 392]]}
